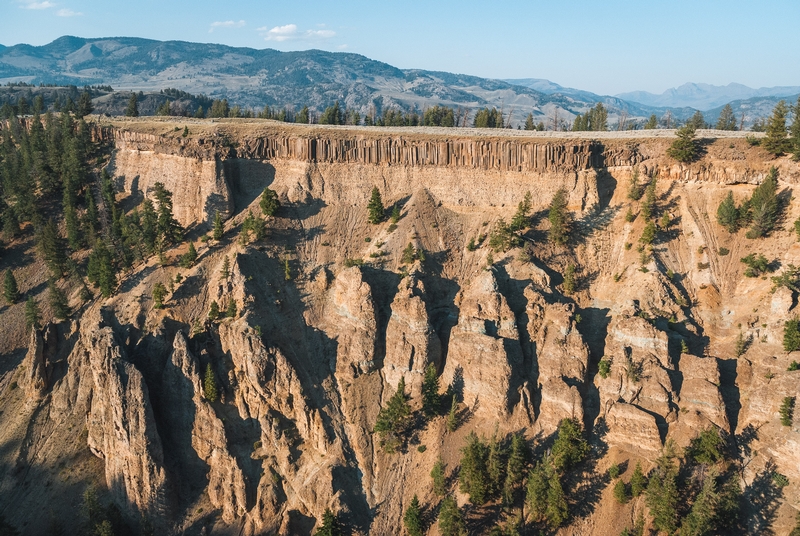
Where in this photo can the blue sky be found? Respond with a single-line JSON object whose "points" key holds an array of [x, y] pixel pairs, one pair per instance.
{"points": [[606, 46]]}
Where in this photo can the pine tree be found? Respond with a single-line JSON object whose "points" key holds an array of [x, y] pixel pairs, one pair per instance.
{"points": [[621, 492], [168, 227], [521, 218], [638, 481], [569, 448], [684, 148], [394, 418], [727, 120], [51, 248], [495, 465], [452, 417], [85, 106], [31, 313], [269, 202], [330, 525], [58, 301], [133, 106], [226, 268], [302, 116], [190, 257], [560, 219], [662, 494], [515, 469], [474, 475], [697, 120], [763, 206], [536, 491], [100, 270], [648, 233], [701, 519], [213, 311], [375, 207], [10, 289], [556, 511], [159, 292], [412, 519], [230, 311], [395, 217], [794, 132], [529, 125], [652, 123], [635, 189], [438, 477], [775, 141], [287, 270], [728, 214], [451, 520], [210, 390], [791, 335], [430, 391], [219, 228]]}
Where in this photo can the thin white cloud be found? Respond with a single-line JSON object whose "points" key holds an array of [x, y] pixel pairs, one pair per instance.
{"points": [[342, 47], [290, 32], [225, 24], [37, 5], [68, 13]]}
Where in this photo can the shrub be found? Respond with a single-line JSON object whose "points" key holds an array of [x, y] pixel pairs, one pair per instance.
{"points": [[791, 335], [349, 263], [630, 216], [613, 471], [756, 265], [723, 252], [794, 365], [604, 368]]}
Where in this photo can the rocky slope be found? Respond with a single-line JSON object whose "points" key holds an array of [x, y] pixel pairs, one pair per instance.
{"points": [[115, 397]]}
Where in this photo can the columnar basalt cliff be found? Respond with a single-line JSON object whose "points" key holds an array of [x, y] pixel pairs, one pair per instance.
{"points": [[331, 314]]}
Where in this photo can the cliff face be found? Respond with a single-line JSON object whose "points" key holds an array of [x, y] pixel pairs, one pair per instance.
{"points": [[330, 317]]}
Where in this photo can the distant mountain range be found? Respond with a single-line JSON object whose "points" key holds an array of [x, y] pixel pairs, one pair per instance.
{"points": [[317, 79], [706, 96]]}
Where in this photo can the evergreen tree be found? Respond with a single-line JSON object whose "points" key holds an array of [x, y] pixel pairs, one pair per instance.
{"points": [[219, 228], [700, 521], [662, 494], [474, 476], [10, 289], [133, 106], [51, 248], [697, 120], [515, 469], [529, 125], [330, 525], [791, 335], [210, 385], [85, 106], [635, 189], [159, 292], [394, 418], [333, 115], [58, 301], [728, 214], [375, 207], [727, 120], [168, 227], [621, 492], [31, 313], [231, 311], [536, 492], [430, 391], [763, 206], [226, 268], [652, 123], [213, 312], [452, 417], [149, 223], [438, 477], [100, 270], [190, 257], [707, 447], [794, 132], [684, 148], [648, 233], [638, 481], [649, 204], [91, 220], [556, 511], [412, 519], [302, 116], [495, 465], [269, 202], [775, 141], [451, 520], [569, 448], [560, 219], [521, 218]]}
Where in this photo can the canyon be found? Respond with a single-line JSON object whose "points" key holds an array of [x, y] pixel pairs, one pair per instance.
{"points": [[330, 319]]}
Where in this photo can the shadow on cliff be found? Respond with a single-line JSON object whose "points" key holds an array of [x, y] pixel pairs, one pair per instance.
{"points": [[761, 500]]}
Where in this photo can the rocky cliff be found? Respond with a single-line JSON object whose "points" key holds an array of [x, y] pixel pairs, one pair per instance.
{"points": [[330, 317]]}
